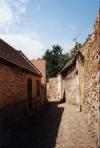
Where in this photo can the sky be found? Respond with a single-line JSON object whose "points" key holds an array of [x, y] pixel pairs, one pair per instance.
{"points": [[35, 25]]}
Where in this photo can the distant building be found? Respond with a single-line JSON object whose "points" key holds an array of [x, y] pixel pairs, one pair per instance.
{"points": [[20, 83], [41, 65]]}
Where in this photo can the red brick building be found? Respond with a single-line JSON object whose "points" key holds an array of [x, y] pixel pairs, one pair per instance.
{"points": [[20, 83], [41, 65]]}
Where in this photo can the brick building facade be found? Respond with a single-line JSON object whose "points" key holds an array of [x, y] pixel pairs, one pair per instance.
{"points": [[41, 65], [20, 83]]}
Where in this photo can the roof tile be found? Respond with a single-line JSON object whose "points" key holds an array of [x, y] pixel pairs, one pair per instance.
{"points": [[15, 57]]}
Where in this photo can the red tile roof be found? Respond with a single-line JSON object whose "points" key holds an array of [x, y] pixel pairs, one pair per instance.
{"points": [[15, 57]]}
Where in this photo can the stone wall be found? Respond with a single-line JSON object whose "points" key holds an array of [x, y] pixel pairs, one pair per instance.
{"points": [[59, 79], [13, 89], [52, 89], [69, 85], [80, 68], [90, 83]]}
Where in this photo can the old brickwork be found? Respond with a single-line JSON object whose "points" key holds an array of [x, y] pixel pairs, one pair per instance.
{"points": [[13, 89], [20, 83], [41, 65], [90, 81]]}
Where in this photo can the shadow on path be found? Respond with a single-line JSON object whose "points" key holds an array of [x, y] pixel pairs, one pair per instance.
{"points": [[32, 133]]}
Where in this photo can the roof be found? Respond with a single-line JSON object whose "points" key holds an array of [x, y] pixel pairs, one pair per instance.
{"points": [[17, 58], [69, 65]]}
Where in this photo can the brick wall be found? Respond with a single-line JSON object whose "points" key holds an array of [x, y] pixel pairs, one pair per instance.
{"points": [[13, 89], [41, 65]]}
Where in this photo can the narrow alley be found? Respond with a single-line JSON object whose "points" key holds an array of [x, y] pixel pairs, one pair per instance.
{"points": [[61, 126], [49, 74]]}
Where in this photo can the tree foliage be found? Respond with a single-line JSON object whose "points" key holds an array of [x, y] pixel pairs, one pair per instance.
{"points": [[56, 59]]}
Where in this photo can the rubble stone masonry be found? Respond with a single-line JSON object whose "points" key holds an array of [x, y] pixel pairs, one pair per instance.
{"points": [[69, 85], [52, 89], [90, 82]]}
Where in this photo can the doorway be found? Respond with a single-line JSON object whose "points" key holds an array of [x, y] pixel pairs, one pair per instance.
{"points": [[29, 94]]}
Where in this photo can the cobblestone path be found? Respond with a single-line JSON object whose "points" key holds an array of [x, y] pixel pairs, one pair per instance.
{"points": [[73, 130], [61, 126]]}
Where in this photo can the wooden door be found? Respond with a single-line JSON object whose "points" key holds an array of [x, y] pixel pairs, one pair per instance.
{"points": [[29, 94]]}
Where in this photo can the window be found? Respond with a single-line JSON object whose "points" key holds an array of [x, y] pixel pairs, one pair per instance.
{"points": [[37, 87]]}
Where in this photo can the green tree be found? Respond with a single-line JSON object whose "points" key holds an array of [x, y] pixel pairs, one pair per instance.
{"points": [[55, 60]]}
